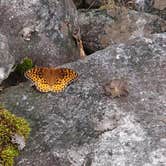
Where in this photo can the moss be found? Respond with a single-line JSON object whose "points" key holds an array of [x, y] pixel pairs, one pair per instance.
{"points": [[9, 126], [108, 5], [8, 154], [25, 64]]}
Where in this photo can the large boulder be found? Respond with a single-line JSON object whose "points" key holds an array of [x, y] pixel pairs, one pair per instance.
{"points": [[83, 126], [7, 60], [40, 29], [101, 28]]}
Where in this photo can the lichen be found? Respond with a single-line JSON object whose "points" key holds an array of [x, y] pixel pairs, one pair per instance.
{"points": [[25, 64], [11, 125]]}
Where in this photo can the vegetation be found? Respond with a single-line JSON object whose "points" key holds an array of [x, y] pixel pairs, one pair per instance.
{"points": [[23, 66], [115, 4], [108, 4], [11, 125]]}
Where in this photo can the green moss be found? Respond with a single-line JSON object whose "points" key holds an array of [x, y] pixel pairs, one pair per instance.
{"points": [[8, 154], [9, 126], [23, 66], [108, 5]]}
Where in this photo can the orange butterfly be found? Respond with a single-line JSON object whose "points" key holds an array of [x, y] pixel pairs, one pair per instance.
{"points": [[51, 79]]}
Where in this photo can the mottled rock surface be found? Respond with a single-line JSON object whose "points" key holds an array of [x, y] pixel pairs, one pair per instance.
{"points": [[101, 28], [83, 126], [160, 13], [143, 5], [39, 29], [160, 4], [7, 60]]}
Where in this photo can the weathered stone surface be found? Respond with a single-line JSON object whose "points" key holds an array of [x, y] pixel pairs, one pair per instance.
{"points": [[83, 126], [141, 5], [7, 60], [160, 4], [101, 28], [39, 29], [160, 13]]}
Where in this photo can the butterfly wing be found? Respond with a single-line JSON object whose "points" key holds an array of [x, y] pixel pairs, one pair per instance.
{"points": [[54, 80], [36, 76], [43, 87], [63, 77]]}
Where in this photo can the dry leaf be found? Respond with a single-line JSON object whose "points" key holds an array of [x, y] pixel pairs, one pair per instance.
{"points": [[116, 88]]}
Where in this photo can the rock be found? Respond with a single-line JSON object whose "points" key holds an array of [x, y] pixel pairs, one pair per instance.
{"points": [[40, 30], [83, 4], [94, 4], [159, 8], [140, 5], [101, 28], [160, 4], [82, 126], [7, 60], [78, 3], [160, 13]]}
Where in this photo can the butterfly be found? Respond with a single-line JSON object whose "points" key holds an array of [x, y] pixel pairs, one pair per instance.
{"points": [[51, 79]]}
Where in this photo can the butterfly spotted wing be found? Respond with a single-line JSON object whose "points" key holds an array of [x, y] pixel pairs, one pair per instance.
{"points": [[51, 79]]}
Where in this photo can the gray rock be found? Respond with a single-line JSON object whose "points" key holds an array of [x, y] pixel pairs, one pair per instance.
{"points": [[101, 28], [160, 13], [40, 29], [83, 126], [160, 4], [139, 5], [7, 60], [144, 5]]}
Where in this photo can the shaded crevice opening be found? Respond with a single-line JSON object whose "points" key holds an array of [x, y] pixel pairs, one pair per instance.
{"points": [[87, 48], [81, 4], [13, 79]]}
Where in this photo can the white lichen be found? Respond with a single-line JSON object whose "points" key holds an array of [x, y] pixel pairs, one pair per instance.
{"points": [[19, 140]]}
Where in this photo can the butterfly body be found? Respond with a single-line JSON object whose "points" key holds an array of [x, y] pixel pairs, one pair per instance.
{"points": [[51, 79]]}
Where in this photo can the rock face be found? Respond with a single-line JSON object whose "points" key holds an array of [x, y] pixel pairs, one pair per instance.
{"points": [[7, 60], [40, 30], [143, 5], [101, 28], [159, 12], [160, 4], [83, 126]]}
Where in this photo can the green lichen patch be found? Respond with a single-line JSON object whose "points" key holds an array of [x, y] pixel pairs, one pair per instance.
{"points": [[10, 126]]}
